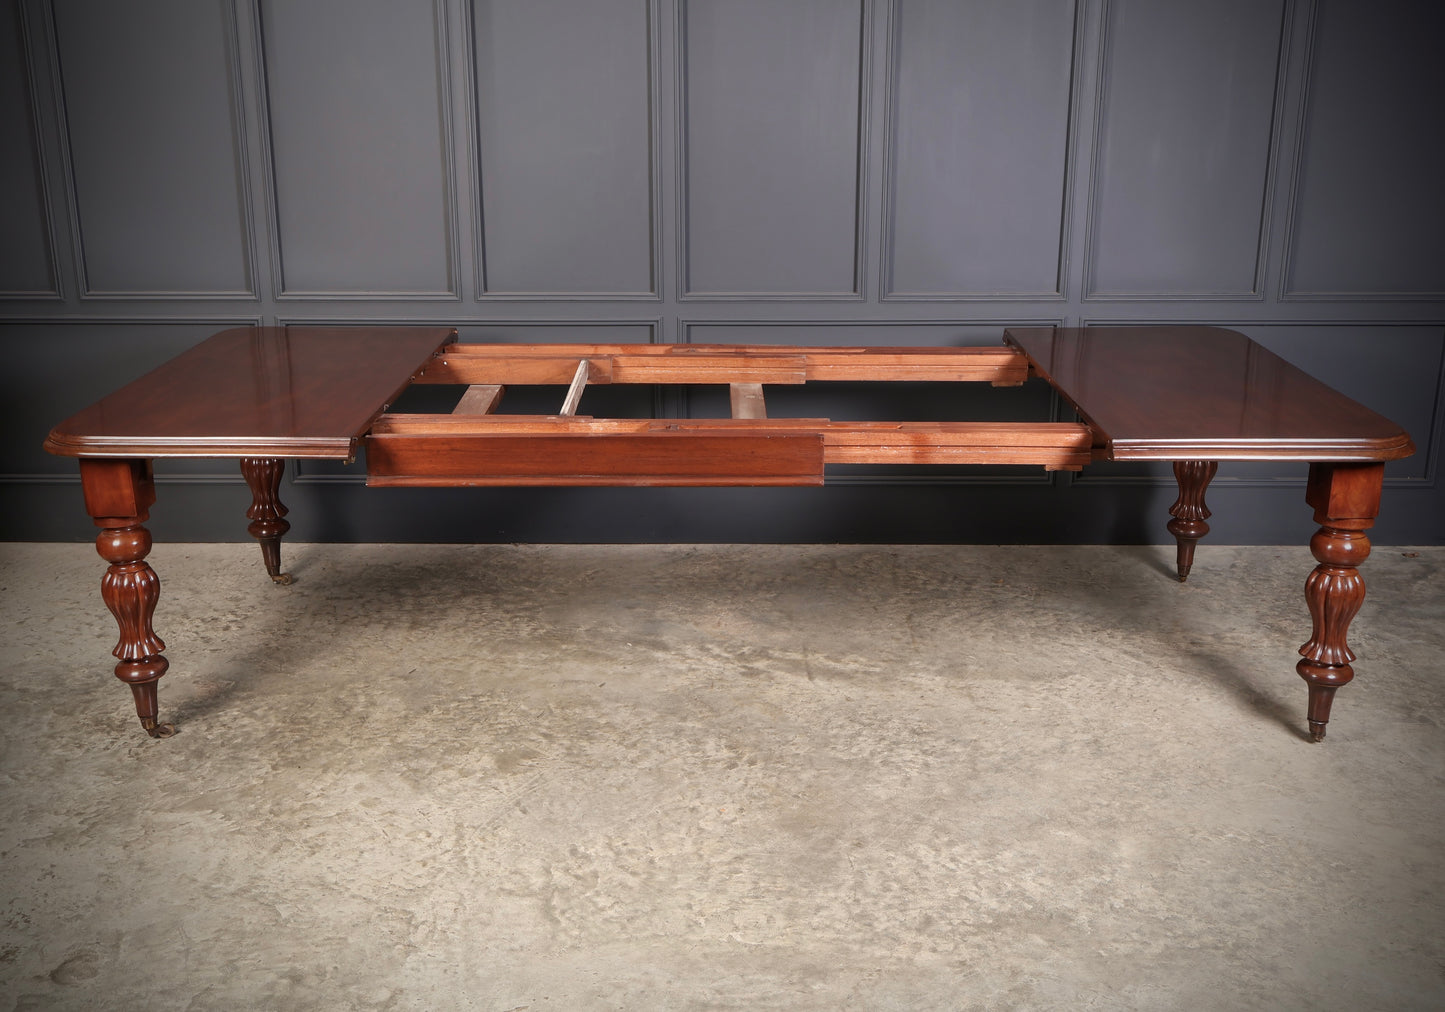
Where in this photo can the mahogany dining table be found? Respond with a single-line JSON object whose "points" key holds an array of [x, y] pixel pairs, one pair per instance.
{"points": [[1190, 395]]}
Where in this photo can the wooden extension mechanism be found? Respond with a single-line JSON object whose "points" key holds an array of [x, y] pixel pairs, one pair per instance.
{"points": [[477, 445]]}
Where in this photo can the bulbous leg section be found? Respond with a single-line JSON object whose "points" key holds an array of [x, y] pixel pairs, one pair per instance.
{"points": [[267, 512], [130, 589], [1334, 592], [1189, 511], [1346, 500]]}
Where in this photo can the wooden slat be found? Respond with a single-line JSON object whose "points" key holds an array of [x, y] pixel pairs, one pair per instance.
{"points": [[574, 392], [651, 458], [480, 399], [747, 400]]}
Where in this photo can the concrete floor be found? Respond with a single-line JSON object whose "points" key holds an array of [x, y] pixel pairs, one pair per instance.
{"points": [[559, 778]]}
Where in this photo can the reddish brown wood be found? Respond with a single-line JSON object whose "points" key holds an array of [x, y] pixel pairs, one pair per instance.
{"points": [[1050, 444], [1346, 498], [1202, 393], [1189, 511], [267, 511], [631, 459], [1190, 394], [118, 494], [256, 392]]}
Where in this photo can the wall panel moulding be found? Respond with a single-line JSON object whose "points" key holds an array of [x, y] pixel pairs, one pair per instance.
{"points": [[154, 152], [772, 150], [28, 265], [963, 121], [566, 115], [1368, 210], [1188, 101], [360, 158]]}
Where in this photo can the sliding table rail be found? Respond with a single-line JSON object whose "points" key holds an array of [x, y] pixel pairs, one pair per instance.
{"points": [[720, 363], [571, 450]]}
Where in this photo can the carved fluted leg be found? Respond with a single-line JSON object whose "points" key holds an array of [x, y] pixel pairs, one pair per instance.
{"points": [[118, 494], [130, 589], [1346, 498], [267, 512], [1189, 511]]}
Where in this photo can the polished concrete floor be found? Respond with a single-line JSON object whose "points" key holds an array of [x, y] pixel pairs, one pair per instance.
{"points": [[570, 778]]}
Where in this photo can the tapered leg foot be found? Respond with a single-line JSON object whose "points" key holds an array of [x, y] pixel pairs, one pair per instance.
{"points": [[267, 512], [1321, 696], [146, 707], [1189, 511]]}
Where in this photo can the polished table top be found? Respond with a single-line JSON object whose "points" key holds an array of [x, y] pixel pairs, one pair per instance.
{"points": [[1202, 393], [256, 392]]}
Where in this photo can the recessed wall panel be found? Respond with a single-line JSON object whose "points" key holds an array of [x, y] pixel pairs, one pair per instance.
{"points": [[564, 117], [771, 121], [155, 152], [1183, 147], [26, 259], [980, 138], [849, 333], [557, 332], [1370, 209], [359, 146]]}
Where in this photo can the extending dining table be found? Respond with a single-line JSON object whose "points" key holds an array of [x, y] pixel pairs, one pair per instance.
{"points": [[1190, 395]]}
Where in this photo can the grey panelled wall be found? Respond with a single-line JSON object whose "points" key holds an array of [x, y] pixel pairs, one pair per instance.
{"points": [[810, 171], [1187, 101], [356, 108], [158, 200], [27, 267], [771, 148], [965, 123], [571, 212]]}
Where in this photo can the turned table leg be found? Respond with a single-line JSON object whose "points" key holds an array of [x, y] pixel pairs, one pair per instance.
{"points": [[1189, 511], [267, 512], [1346, 499], [118, 495]]}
